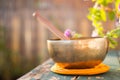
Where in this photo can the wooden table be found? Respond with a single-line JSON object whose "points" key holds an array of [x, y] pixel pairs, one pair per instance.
{"points": [[42, 72]]}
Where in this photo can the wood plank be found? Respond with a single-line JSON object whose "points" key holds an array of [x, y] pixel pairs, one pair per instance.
{"points": [[43, 72], [112, 59], [15, 33], [113, 74], [119, 55]]}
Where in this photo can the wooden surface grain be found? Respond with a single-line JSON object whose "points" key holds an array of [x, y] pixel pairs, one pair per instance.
{"points": [[42, 72]]}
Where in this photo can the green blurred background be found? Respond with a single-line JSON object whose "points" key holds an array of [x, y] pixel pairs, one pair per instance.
{"points": [[23, 41]]}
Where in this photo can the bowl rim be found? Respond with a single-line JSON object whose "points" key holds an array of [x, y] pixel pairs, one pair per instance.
{"points": [[81, 38]]}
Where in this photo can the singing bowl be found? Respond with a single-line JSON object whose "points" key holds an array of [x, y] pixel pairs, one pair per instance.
{"points": [[79, 53]]}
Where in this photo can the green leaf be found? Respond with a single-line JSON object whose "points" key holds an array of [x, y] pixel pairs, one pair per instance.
{"points": [[76, 35], [96, 24], [111, 15], [117, 2], [112, 35], [104, 2], [112, 43], [96, 14], [103, 15]]}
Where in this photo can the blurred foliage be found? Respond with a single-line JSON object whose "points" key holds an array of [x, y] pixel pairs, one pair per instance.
{"points": [[101, 12]]}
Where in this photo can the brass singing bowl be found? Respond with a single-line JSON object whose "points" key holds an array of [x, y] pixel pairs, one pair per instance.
{"points": [[80, 53]]}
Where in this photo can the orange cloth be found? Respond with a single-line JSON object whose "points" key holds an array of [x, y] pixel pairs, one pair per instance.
{"points": [[102, 68]]}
